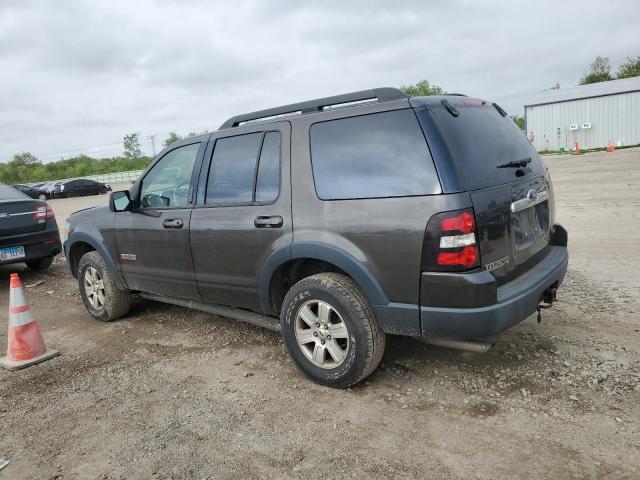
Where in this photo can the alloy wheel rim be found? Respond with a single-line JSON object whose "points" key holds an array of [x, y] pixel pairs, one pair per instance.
{"points": [[94, 288], [322, 334]]}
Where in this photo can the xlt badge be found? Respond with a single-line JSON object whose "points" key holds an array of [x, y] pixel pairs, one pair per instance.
{"points": [[497, 264]]}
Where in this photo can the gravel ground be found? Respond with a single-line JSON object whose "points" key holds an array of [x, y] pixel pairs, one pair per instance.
{"points": [[173, 393]]}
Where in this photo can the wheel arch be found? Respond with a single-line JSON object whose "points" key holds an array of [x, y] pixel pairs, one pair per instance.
{"points": [[80, 243], [309, 258]]}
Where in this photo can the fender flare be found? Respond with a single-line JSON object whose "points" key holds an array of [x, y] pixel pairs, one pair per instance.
{"points": [[327, 253], [98, 247]]}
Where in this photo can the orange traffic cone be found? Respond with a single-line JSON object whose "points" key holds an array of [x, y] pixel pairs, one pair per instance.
{"points": [[577, 149], [26, 346]]}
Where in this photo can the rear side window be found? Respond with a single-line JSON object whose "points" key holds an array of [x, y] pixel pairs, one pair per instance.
{"points": [[243, 165], [268, 181], [377, 155], [481, 140], [232, 169]]}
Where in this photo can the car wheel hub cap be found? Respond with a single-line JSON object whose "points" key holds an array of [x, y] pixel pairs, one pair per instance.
{"points": [[94, 288], [322, 334]]}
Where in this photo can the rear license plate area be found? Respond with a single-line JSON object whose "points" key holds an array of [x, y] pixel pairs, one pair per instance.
{"points": [[530, 225], [11, 253]]}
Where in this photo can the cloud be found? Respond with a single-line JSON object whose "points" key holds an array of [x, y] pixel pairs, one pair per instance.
{"points": [[86, 73]]}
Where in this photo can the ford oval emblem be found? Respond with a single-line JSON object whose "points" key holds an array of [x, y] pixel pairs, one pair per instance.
{"points": [[532, 195]]}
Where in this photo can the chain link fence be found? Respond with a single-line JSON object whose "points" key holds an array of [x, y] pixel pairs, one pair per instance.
{"points": [[116, 177]]}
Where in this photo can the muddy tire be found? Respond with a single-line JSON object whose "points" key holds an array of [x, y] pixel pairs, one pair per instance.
{"points": [[39, 264], [100, 294], [330, 330]]}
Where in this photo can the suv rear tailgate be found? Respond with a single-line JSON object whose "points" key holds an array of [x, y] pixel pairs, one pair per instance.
{"points": [[481, 150]]}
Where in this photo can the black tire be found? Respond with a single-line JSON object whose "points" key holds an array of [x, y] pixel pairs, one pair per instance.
{"points": [[71, 194], [116, 301], [40, 263], [366, 338]]}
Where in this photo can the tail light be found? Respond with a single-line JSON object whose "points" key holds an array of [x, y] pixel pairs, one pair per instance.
{"points": [[43, 212], [450, 242]]}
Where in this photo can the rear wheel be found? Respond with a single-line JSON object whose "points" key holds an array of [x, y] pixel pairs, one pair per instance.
{"points": [[40, 263], [100, 294], [330, 330], [71, 194]]}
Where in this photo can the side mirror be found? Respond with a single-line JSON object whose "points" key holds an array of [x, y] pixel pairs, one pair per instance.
{"points": [[120, 201]]}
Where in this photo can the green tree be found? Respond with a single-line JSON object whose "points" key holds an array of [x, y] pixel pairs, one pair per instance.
{"points": [[25, 158], [518, 120], [422, 89], [630, 68], [172, 138], [599, 71], [131, 146]]}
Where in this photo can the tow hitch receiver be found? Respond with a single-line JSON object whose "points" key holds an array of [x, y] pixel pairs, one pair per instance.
{"points": [[546, 301]]}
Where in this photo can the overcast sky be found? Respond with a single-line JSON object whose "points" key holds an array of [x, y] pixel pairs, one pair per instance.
{"points": [[79, 74]]}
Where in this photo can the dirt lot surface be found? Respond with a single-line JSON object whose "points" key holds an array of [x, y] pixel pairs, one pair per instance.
{"points": [[173, 393]]}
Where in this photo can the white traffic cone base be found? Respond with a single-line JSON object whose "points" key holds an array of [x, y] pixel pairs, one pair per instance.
{"points": [[5, 362]]}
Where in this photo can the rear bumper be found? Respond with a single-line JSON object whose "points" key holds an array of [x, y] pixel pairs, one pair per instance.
{"points": [[516, 300], [45, 243]]}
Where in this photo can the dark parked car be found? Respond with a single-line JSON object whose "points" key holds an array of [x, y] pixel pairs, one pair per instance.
{"points": [[46, 190], [77, 188], [28, 230], [31, 191], [336, 221]]}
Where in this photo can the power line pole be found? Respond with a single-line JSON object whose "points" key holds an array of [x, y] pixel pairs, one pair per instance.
{"points": [[153, 143]]}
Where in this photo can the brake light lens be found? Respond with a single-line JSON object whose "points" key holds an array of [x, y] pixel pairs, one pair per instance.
{"points": [[467, 257], [450, 242], [43, 212], [465, 223]]}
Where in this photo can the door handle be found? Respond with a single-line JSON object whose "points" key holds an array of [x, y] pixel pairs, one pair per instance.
{"points": [[173, 223], [268, 222]]}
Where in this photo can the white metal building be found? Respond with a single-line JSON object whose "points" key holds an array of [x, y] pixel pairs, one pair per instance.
{"points": [[593, 115]]}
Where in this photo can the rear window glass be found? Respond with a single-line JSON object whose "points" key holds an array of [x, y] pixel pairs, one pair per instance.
{"points": [[480, 140], [9, 193], [377, 155]]}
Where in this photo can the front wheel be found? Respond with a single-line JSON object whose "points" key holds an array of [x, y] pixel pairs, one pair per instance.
{"points": [[100, 294], [330, 330]]}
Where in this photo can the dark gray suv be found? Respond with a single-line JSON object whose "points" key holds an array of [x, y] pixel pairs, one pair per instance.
{"points": [[336, 221]]}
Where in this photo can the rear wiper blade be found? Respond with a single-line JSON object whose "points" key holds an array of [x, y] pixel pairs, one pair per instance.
{"points": [[516, 164]]}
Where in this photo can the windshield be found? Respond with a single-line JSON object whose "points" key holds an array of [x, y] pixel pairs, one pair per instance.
{"points": [[487, 148]]}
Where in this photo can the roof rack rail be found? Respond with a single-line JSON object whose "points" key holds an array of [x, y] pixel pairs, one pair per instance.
{"points": [[310, 106]]}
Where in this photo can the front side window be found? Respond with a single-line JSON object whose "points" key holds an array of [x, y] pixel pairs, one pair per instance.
{"points": [[233, 176], [369, 156], [167, 183]]}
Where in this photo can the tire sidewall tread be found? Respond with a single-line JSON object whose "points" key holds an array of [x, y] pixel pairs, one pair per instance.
{"points": [[117, 301], [366, 339]]}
